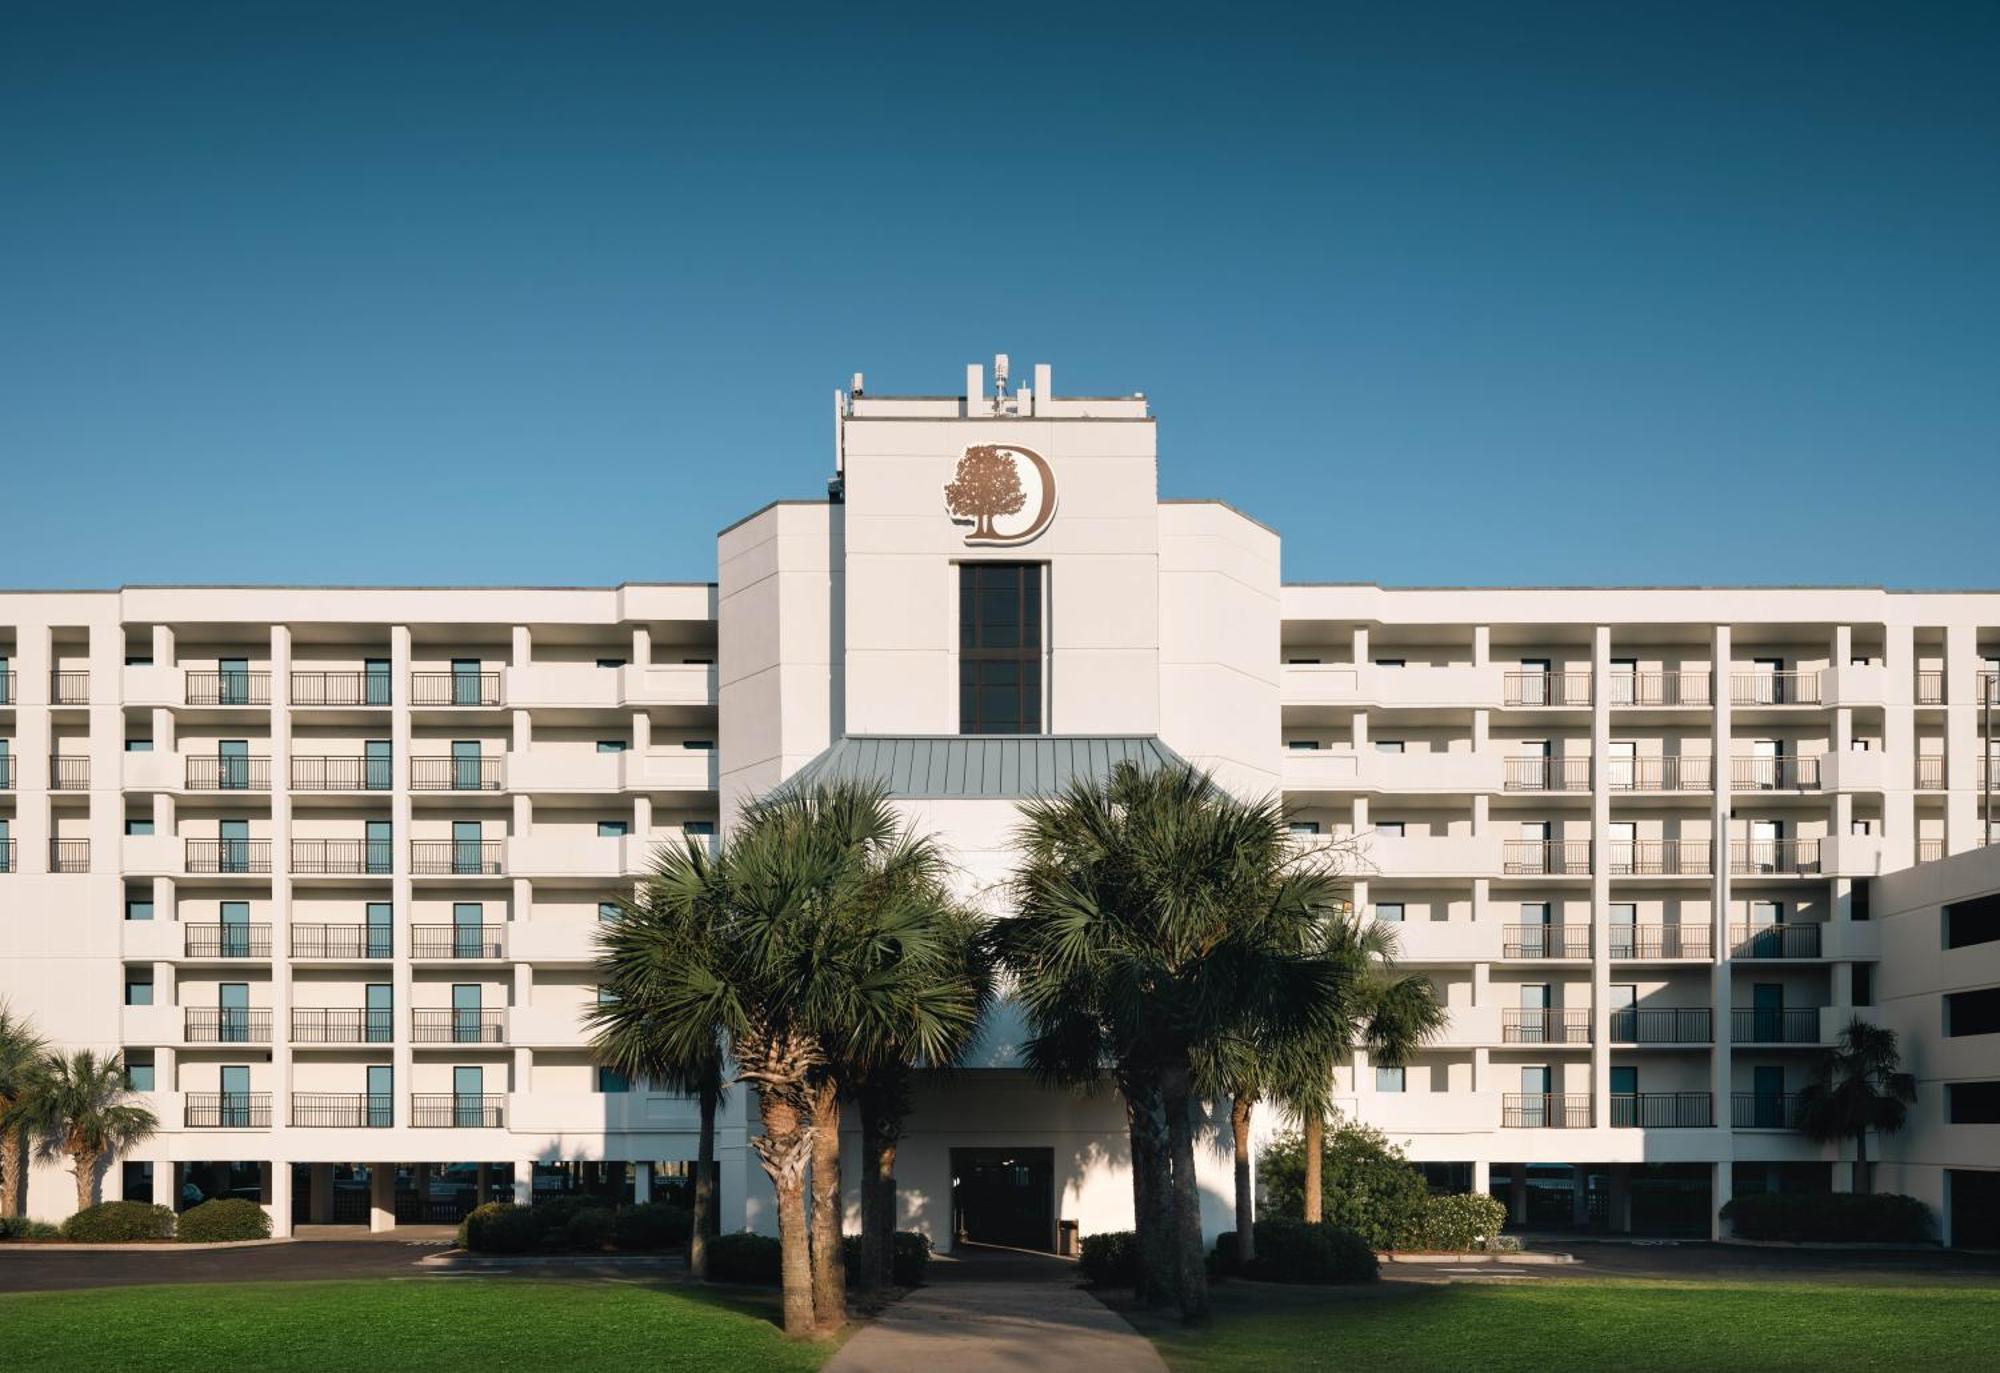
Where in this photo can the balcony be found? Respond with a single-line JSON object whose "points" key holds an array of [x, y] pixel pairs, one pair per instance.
{"points": [[1545, 941], [1530, 689], [226, 1025], [1794, 940], [331, 1025], [1660, 689], [1444, 941], [1676, 772], [1786, 772], [367, 689], [1546, 858], [464, 689], [227, 773], [1930, 850], [1420, 685], [342, 942], [69, 772], [1764, 1110], [1640, 943], [1548, 774], [342, 1111], [229, 687], [1528, 1025], [669, 684], [69, 855], [669, 770], [226, 941], [1374, 770], [1394, 855], [457, 857], [1930, 688], [1775, 857], [320, 773], [1775, 1025], [6, 688], [1545, 1111], [1661, 858], [342, 857], [447, 773], [453, 1025], [6, 772], [449, 1110], [238, 856], [1662, 1110], [1774, 688], [1930, 772], [1662, 1025], [69, 688], [7, 864], [458, 941], [228, 1111]]}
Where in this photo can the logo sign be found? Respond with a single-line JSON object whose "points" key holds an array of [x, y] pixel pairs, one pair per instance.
{"points": [[1005, 492]]}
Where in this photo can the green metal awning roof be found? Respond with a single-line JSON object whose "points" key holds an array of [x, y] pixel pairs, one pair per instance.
{"points": [[987, 766]]}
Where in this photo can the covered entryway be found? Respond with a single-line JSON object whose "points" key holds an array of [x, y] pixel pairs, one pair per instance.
{"points": [[1974, 1208], [1004, 1197]]}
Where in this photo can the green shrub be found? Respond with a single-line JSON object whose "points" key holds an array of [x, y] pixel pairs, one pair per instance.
{"points": [[589, 1230], [1293, 1251], [21, 1228], [500, 1227], [115, 1222], [1459, 1223], [1110, 1258], [1366, 1185], [1830, 1217], [909, 1257], [744, 1258], [655, 1226], [222, 1220]]}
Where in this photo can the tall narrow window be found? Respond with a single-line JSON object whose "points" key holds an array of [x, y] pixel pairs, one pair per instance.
{"points": [[1000, 648]]}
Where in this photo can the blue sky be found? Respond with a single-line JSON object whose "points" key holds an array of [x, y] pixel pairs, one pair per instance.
{"points": [[405, 292]]}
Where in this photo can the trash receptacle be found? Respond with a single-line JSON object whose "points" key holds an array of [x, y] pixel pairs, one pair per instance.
{"points": [[1066, 1243]]}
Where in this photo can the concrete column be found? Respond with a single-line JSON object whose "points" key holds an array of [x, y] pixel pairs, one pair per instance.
{"points": [[1963, 827], [524, 1182], [1482, 646], [1358, 730], [1482, 1177], [382, 1195], [1360, 645], [1899, 749], [321, 1202], [522, 647], [401, 890], [1720, 1075], [165, 1185], [1620, 1219], [482, 1182], [642, 732], [163, 646], [642, 1182], [1517, 1192], [282, 997], [1600, 877], [278, 1190], [642, 646], [1725, 1184]]}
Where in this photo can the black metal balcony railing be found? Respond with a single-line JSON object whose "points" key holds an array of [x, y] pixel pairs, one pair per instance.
{"points": [[342, 1111], [1661, 941], [457, 941], [1791, 940], [69, 688], [228, 855], [227, 1025], [342, 941], [455, 774], [229, 687], [227, 941], [1779, 772], [6, 855], [228, 1111], [447, 1110], [1662, 1110], [1660, 689], [1663, 772], [1547, 689], [1546, 857], [69, 855], [454, 688], [1930, 688], [6, 772], [1548, 774], [1777, 857], [1930, 772], [1774, 688], [69, 772], [455, 857], [1764, 1110], [342, 1025], [336, 857], [315, 773], [1774, 1025], [341, 689], [1662, 1025], [1660, 858], [1545, 1111], [1545, 941], [228, 773], [1531, 1025], [6, 688], [456, 1026]]}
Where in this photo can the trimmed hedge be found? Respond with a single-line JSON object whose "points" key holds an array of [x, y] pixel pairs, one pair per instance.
{"points": [[115, 1222], [1367, 1185], [1295, 1251], [589, 1231], [744, 1258], [21, 1228], [1110, 1258], [1456, 1223], [1885, 1218], [223, 1220], [653, 1227], [909, 1257], [574, 1225]]}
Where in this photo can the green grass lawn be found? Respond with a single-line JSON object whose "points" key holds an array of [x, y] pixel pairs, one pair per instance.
{"points": [[1556, 1324], [388, 1326]]}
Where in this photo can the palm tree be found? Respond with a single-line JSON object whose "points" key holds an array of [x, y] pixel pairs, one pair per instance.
{"points": [[1857, 1087], [77, 1106], [1157, 918], [21, 1055]]}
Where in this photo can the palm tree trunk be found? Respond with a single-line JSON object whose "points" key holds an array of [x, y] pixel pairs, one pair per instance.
{"points": [[13, 1160], [1314, 1142], [829, 1273], [1177, 1088], [784, 1149], [1152, 1197], [1246, 1207], [704, 1188], [86, 1178], [1861, 1161]]}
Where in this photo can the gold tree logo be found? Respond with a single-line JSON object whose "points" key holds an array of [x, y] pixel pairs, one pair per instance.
{"points": [[987, 489]]}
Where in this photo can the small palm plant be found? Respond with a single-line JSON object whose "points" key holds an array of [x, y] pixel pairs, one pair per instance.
{"points": [[77, 1107], [1857, 1087], [22, 1053]]}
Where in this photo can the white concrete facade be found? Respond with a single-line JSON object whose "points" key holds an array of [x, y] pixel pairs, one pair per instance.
{"points": [[1623, 830]]}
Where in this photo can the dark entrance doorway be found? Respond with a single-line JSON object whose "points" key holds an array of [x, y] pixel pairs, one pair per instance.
{"points": [[1004, 1196], [1975, 1209]]}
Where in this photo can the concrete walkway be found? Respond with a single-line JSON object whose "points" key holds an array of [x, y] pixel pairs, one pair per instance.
{"points": [[997, 1312]]}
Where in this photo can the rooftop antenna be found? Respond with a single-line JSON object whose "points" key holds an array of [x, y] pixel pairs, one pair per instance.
{"points": [[999, 383], [857, 388]]}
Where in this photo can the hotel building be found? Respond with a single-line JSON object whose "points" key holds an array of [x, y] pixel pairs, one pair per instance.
{"points": [[326, 864]]}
